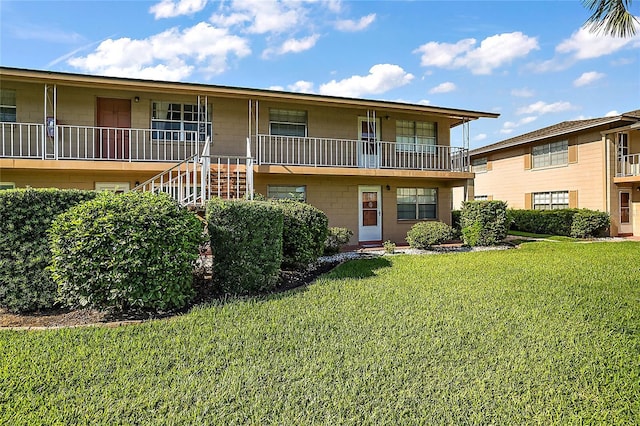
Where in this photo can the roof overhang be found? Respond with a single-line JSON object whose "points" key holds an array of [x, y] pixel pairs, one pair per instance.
{"points": [[458, 116]]}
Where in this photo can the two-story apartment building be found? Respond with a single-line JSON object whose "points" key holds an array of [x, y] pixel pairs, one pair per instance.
{"points": [[375, 167], [593, 164]]}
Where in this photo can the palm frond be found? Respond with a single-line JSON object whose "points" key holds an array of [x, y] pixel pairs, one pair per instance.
{"points": [[611, 17]]}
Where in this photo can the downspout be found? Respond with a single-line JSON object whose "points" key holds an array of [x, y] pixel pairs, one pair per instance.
{"points": [[44, 120]]}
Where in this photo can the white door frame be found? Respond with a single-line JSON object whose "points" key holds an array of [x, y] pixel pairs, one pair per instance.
{"points": [[625, 228], [369, 144], [370, 232]]}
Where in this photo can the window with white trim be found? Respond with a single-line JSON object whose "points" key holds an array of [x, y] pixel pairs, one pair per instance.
{"points": [[481, 197], [7, 185], [550, 154], [287, 192], [417, 203], [117, 187], [414, 136], [552, 200], [479, 165], [180, 122], [8, 110], [623, 145], [285, 122]]}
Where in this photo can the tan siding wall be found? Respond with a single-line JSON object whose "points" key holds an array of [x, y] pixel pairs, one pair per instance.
{"points": [[342, 123], [69, 179], [509, 180], [338, 198]]}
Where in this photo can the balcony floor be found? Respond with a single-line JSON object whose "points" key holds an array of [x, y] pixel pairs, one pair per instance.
{"points": [[352, 171]]}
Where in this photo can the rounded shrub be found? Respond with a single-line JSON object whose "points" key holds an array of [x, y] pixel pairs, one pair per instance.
{"points": [[589, 223], [423, 235], [246, 243], [25, 218], [336, 238], [123, 251], [304, 232]]}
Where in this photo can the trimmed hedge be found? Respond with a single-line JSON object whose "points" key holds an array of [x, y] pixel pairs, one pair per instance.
{"points": [[484, 223], [122, 251], [336, 238], [589, 223], [25, 217], [246, 243], [554, 222], [304, 232], [423, 235]]}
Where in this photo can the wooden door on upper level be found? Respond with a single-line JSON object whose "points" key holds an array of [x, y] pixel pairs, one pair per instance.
{"points": [[114, 118]]}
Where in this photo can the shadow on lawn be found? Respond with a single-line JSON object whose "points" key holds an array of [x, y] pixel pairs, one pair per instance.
{"points": [[362, 268]]}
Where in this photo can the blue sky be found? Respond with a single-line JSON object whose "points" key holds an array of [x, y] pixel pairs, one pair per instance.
{"points": [[530, 61]]}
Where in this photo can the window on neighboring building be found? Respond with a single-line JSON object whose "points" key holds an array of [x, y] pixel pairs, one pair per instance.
{"points": [[414, 136], [176, 121], [8, 110], [7, 185], [551, 200], [551, 154], [284, 122], [481, 197], [285, 192], [417, 203], [479, 165]]}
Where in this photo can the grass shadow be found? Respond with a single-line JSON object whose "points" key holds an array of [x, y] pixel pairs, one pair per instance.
{"points": [[360, 268]]}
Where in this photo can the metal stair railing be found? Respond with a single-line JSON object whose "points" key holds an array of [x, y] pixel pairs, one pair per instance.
{"points": [[191, 182]]}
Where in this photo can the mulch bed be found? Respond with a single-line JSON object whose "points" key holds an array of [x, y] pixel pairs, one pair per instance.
{"points": [[58, 318]]}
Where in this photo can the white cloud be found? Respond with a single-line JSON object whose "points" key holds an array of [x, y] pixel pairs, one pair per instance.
{"points": [[522, 93], [301, 87], [171, 9], [584, 44], [541, 107], [262, 16], [165, 55], [292, 46], [493, 52], [509, 126], [443, 88], [613, 113], [587, 78], [350, 25], [479, 137], [381, 78]]}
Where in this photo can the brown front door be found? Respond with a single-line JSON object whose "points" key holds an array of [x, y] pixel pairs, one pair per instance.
{"points": [[114, 116]]}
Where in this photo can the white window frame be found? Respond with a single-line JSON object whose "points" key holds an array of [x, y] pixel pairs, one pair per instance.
{"points": [[411, 136], [4, 107], [550, 200], [480, 197], [287, 192], [479, 165], [550, 155], [117, 187], [7, 185], [414, 192], [289, 119], [181, 124]]}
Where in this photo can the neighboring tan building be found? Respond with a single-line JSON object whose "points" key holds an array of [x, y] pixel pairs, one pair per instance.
{"points": [[375, 167], [593, 164]]}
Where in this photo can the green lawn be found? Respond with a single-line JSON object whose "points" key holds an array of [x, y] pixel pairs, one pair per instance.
{"points": [[545, 334]]}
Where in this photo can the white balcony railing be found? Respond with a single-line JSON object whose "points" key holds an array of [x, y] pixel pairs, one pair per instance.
{"points": [[327, 152], [628, 165], [65, 142]]}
